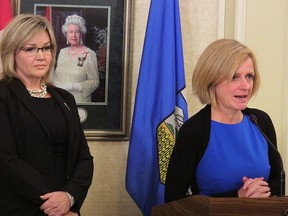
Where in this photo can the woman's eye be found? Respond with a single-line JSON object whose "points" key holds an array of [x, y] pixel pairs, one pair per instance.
{"points": [[234, 77], [250, 77], [47, 48], [30, 49]]}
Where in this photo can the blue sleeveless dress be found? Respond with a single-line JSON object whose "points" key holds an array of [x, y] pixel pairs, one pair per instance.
{"points": [[234, 151]]}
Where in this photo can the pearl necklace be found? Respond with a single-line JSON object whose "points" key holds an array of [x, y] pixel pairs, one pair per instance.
{"points": [[38, 93], [73, 52]]}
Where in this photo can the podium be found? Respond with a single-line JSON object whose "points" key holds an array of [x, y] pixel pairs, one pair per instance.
{"points": [[206, 206]]}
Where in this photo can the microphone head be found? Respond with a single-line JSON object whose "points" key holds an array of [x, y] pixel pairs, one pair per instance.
{"points": [[253, 118]]}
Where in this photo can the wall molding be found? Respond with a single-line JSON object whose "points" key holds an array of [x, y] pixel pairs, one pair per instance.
{"points": [[221, 19], [240, 21], [239, 17]]}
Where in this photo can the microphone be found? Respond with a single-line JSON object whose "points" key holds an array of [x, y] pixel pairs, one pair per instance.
{"points": [[253, 119]]}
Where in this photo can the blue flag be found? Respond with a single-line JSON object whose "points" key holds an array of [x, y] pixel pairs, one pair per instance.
{"points": [[160, 107]]}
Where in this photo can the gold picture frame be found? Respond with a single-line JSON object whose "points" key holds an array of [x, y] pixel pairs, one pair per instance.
{"points": [[108, 116]]}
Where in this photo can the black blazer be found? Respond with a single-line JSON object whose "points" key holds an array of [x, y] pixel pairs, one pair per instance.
{"points": [[26, 156]]}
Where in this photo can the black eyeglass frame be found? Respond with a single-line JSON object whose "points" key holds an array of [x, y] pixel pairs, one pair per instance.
{"points": [[46, 50]]}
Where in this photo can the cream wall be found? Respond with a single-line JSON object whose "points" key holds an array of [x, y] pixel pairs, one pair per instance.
{"points": [[265, 32]]}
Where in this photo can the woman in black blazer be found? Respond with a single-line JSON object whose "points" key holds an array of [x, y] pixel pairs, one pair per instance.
{"points": [[45, 164]]}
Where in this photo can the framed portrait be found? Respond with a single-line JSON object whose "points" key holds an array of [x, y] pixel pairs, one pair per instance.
{"points": [[104, 112]]}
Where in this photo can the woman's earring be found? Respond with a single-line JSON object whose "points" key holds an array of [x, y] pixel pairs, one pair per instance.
{"points": [[67, 42], [81, 41]]}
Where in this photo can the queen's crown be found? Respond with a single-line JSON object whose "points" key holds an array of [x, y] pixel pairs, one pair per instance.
{"points": [[75, 19]]}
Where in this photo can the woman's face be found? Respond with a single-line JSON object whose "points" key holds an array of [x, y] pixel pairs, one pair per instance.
{"points": [[73, 35], [32, 63], [234, 95]]}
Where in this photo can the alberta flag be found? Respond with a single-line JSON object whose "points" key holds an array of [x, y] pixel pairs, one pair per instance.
{"points": [[160, 107]]}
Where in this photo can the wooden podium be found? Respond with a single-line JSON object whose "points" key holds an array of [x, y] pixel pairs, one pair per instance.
{"points": [[201, 206]]}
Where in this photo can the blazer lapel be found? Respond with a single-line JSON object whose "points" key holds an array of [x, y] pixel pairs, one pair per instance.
{"points": [[66, 110]]}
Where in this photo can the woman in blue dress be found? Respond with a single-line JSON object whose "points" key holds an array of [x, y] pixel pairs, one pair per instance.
{"points": [[220, 152]]}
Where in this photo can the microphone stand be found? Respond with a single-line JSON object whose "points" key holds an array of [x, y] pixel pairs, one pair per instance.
{"points": [[253, 118]]}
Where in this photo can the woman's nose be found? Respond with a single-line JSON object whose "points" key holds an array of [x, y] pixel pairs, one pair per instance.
{"points": [[245, 82]]}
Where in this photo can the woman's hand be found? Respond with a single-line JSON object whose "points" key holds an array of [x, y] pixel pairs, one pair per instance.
{"points": [[70, 213], [256, 188], [56, 203], [66, 86]]}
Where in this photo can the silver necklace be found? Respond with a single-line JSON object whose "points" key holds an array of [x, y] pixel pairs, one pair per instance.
{"points": [[72, 52], [38, 93]]}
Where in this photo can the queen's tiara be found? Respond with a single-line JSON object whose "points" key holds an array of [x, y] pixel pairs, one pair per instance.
{"points": [[75, 19]]}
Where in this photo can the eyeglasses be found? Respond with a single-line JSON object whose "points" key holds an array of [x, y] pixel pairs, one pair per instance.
{"points": [[32, 51]]}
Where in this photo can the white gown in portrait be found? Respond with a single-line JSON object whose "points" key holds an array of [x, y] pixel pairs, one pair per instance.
{"points": [[77, 73]]}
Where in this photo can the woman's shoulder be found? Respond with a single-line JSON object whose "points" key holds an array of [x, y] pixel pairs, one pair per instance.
{"points": [[263, 118], [3, 86], [63, 50], [89, 51], [198, 121], [4, 83], [257, 112], [201, 115]]}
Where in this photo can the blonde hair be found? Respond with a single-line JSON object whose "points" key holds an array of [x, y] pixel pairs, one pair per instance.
{"points": [[217, 63], [20, 30]]}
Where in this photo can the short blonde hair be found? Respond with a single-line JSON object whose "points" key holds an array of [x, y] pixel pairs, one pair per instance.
{"points": [[217, 63], [20, 30]]}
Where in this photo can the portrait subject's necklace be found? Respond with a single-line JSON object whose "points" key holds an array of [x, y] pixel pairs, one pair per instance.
{"points": [[38, 93], [73, 52]]}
